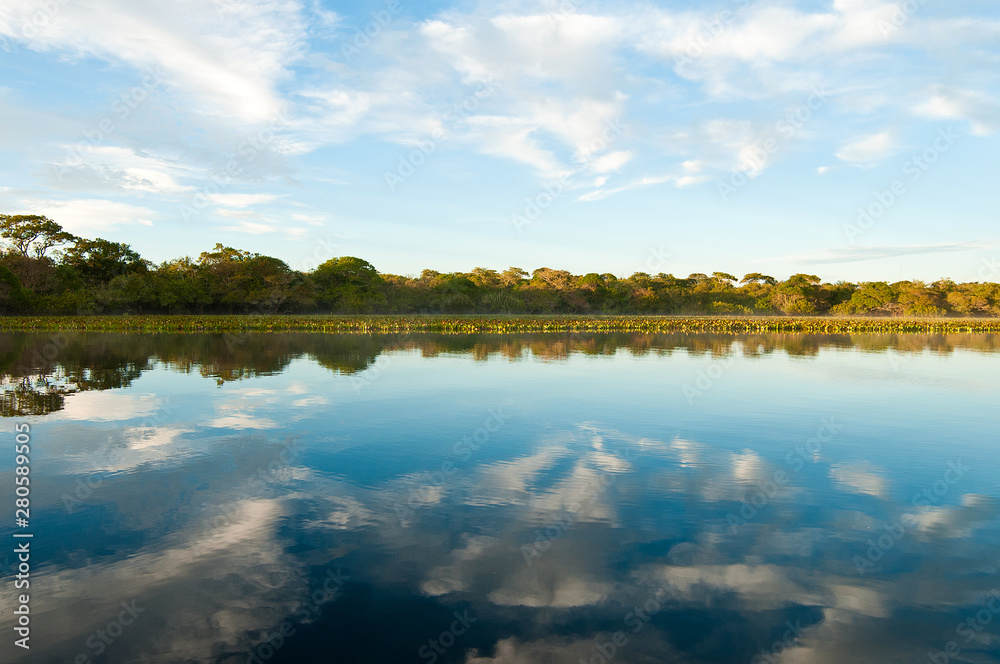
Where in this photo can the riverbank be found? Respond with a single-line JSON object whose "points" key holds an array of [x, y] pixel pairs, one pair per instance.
{"points": [[462, 324]]}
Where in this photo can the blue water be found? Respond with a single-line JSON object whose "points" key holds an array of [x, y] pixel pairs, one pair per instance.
{"points": [[543, 498]]}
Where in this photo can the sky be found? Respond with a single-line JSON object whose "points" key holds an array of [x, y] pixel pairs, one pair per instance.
{"points": [[852, 139]]}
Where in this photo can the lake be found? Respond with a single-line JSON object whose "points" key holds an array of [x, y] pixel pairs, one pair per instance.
{"points": [[505, 498]]}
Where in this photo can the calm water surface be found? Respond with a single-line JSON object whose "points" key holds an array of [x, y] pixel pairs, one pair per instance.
{"points": [[508, 499]]}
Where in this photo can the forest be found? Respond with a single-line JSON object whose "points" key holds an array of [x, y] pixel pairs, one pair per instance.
{"points": [[46, 270]]}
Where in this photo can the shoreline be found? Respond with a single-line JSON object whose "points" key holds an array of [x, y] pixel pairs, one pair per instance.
{"points": [[485, 323]]}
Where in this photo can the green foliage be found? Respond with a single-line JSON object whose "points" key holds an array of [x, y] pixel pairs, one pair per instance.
{"points": [[32, 235], [348, 285], [757, 277], [100, 276], [498, 324], [13, 296], [99, 261], [873, 297]]}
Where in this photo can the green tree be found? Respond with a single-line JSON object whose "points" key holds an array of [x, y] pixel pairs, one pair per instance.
{"points": [[13, 297], [513, 277], [872, 297], [915, 299], [32, 235], [178, 287], [349, 284], [99, 261], [797, 295], [756, 278]]}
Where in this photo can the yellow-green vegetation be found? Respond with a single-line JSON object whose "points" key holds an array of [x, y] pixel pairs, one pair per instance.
{"points": [[47, 271], [495, 324]]}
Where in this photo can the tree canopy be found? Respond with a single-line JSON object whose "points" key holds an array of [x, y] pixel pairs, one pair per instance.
{"points": [[32, 235], [102, 276]]}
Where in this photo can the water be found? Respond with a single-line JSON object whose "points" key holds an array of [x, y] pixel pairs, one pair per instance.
{"points": [[534, 498]]}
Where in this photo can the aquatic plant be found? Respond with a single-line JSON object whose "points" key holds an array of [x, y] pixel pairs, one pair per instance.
{"points": [[465, 324]]}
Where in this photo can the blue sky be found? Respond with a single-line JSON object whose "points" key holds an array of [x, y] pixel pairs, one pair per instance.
{"points": [[853, 139]]}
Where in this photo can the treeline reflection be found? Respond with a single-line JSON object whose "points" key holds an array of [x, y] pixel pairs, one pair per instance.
{"points": [[39, 370]]}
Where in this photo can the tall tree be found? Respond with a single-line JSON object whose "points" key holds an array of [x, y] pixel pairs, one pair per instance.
{"points": [[100, 261], [349, 284], [32, 235]]}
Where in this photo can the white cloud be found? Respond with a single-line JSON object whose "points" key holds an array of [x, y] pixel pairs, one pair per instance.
{"points": [[241, 200], [859, 478], [84, 216], [868, 149], [241, 421], [513, 139], [952, 521], [852, 254], [175, 585], [612, 161], [567, 85], [107, 406], [647, 181], [947, 103], [227, 58], [118, 167], [309, 402], [311, 219], [564, 592], [251, 227], [747, 467]]}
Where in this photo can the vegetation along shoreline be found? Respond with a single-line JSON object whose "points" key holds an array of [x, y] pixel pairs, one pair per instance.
{"points": [[465, 324], [45, 270]]}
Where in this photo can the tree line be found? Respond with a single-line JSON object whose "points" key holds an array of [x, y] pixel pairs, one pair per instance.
{"points": [[46, 270]]}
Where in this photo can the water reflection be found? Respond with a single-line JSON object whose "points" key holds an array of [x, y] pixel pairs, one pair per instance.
{"points": [[38, 370], [257, 503]]}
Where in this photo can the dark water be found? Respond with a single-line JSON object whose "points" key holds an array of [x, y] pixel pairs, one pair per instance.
{"points": [[514, 499]]}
